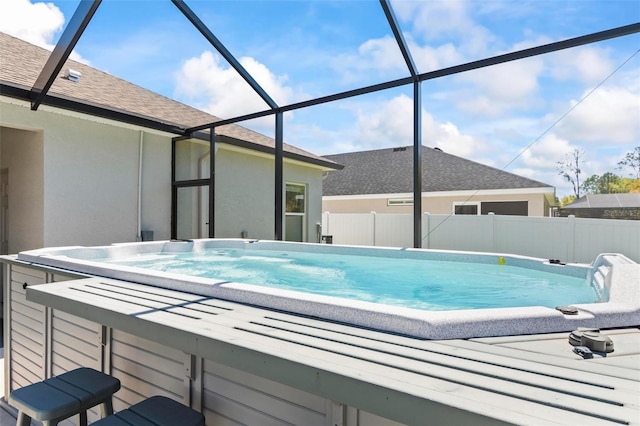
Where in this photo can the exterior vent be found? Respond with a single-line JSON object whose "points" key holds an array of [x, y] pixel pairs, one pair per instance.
{"points": [[404, 148], [73, 75]]}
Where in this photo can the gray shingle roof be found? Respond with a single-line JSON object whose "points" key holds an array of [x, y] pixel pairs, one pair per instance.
{"points": [[389, 171], [21, 63], [606, 201]]}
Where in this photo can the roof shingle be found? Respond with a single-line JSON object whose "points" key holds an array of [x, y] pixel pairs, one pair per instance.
{"points": [[390, 171]]}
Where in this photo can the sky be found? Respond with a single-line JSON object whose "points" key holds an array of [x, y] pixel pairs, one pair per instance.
{"points": [[523, 116]]}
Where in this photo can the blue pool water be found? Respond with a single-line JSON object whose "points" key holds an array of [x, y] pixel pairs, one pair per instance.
{"points": [[421, 284]]}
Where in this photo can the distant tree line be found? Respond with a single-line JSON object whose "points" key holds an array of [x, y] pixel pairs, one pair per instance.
{"points": [[608, 183]]}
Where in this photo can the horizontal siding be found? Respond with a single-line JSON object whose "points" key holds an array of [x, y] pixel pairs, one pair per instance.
{"points": [[234, 397], [27, 330], [74, 343], [146, 368]]}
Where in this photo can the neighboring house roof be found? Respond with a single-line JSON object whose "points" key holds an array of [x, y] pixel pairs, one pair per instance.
{"points": [[600, 201], [21, 63], [390, 171]]}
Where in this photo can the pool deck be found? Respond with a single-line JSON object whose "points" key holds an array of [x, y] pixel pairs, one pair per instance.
{"points": [[532, 379]]}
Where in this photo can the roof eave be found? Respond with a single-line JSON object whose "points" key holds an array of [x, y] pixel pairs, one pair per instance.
{"points": [[325, 164], [20, 92], [63, 102], [547, 191]]}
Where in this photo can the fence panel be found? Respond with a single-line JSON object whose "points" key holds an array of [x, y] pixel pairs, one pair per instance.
{"points": [[544, 237], [356, 229], [467, 233], [566, 238], [595, 236], [393, 230]]}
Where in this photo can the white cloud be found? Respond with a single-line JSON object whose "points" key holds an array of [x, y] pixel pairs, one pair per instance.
{"points": [[500, 89], [544, 154], [608, 116], [375, 56], [446, 20], [385, 124], [391, 124], [429, 58], [210, 84], [589, 64], [36, 23], [382, 55]]}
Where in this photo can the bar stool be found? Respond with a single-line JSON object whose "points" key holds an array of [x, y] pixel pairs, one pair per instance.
{"points": [[63, 396], [154, 411]]}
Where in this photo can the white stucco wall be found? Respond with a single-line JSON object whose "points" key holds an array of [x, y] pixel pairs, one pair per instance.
{"points": [[90, 175], [245, 193], [21, 153], [439, 204], [89, 181]]}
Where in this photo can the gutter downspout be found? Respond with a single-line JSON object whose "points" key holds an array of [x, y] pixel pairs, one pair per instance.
{"points": [[204, 157], [139, 221]]}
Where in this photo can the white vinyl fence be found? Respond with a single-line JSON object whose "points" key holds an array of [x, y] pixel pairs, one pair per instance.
{"points": [[569, 239]]}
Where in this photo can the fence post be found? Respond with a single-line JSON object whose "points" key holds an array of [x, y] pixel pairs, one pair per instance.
{"points": [[325, 225], [425, 230], [492, 224], [373, 228], [571, 238]]}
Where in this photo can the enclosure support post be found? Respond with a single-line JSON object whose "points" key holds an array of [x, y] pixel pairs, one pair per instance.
{"points": [[279, 184], [212, 182], [174, 191], [417, 164]]}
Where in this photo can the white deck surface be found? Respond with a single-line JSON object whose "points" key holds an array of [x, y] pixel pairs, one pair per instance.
{"points": [[513, 380]]}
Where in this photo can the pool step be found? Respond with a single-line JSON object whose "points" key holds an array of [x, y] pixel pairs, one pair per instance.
{"points": [[601, 269]]}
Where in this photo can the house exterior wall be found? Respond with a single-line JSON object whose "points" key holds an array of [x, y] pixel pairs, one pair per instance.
{"points": [[434, 204], [21, 153], [245, 193], [90, 174], [82, 184]]}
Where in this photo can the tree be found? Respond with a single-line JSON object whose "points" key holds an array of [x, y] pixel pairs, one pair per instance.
{"points": [[567, 200], [631, 160], [630, 185], [608, 183], [569, 169]]}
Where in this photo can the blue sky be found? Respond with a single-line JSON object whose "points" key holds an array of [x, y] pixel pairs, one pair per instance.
{"points": [[302, 49]]}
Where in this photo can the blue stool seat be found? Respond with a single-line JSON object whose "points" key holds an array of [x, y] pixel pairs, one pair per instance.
{"points": [[154, 411], [63, 396]]}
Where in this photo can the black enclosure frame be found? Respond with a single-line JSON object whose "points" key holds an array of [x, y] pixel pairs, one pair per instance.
{"points": [[38, 95]]}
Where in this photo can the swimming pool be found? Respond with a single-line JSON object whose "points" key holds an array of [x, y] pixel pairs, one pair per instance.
{"points": [[438, 305], [427, 284]]}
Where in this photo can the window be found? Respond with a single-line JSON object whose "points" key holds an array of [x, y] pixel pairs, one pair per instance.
{"points": [[295, 198], [295, 208], [400, 202], [513, 208], [466, 208]]}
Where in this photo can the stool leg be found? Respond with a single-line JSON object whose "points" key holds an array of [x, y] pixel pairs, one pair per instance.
{"points": [[82, 418], [23, 419], [107, 407]]}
